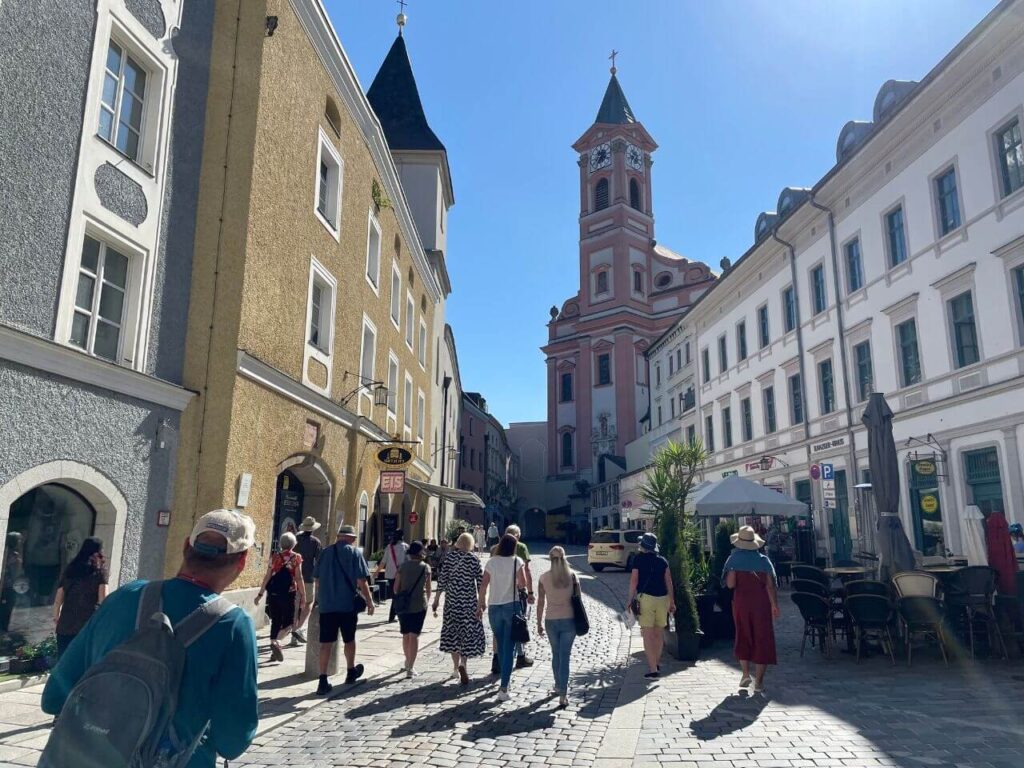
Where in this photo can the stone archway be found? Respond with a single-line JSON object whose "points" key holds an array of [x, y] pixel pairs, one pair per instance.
{"points": [[317, 488], [97, 489]]}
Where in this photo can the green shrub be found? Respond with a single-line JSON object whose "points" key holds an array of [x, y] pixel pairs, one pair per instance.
{"points": [[723, 548]]}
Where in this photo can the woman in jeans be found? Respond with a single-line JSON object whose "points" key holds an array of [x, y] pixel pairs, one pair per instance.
{"points": [[504, 576], [556, 588]]}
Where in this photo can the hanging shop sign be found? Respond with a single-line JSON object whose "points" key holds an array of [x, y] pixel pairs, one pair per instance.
{"points": [[929, 504], [924, 467], [730, 473], [392, 481], [394, 457]]}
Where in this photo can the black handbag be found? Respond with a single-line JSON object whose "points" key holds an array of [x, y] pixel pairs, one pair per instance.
{"points": [[520, 627], [579, 612], [358, 601], [402, 600]]}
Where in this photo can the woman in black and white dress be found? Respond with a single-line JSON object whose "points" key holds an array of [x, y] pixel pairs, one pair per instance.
{"points": [[462, 631]]}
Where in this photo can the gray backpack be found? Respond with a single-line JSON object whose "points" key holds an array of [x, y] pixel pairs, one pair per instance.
{"points": [[119, 714]]}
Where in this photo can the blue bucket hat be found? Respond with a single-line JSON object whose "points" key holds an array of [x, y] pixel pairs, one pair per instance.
{"points": [[649, 542]]}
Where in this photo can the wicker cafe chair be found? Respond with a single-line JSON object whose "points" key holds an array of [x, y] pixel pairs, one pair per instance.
{"points": [[921, 615], [813, 587], [916, 584], [810, 573], [867, 587], [817, 615], [871, 614], [971, 593]]}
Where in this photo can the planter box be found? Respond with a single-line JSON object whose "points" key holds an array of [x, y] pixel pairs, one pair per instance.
{"points": [[683, 646], [22, 666]]}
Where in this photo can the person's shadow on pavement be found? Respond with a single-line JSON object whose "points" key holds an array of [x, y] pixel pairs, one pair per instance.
{"points": [[734, 713]]}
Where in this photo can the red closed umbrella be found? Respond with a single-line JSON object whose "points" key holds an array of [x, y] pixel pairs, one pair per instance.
{"points": [[1000, 553]]}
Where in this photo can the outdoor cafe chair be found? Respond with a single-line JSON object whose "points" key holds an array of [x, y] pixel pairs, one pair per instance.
{"points": [[813, 587], [871, 615], [867, 587], [922, 615], [971, 593], [916, 584], [817, 615], [810, 573]]}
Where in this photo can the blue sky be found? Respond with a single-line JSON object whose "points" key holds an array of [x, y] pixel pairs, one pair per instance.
{"points": [[743, 97]]}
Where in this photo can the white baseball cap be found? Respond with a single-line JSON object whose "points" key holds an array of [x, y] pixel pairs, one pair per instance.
{"points": [[238, 530]]}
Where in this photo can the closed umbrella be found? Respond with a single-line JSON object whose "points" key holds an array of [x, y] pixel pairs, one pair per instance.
{"points": [[974, 536], [1000, 552], [894, 550]]}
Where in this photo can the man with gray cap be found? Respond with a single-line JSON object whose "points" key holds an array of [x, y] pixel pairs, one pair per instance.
{"points": [[342, 593], [218, 685]]}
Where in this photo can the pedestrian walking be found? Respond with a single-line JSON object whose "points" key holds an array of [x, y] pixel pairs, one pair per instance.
{"points": [[504, 574], [412, 595], [310, 547], [479, 538], [342, 593], [286, 593], [81, 589], [554, 596], [651, 599], [526, 598], [492, 535], [394, 556], [755, 605], [462, 630], [11, 572], [217, 693]]}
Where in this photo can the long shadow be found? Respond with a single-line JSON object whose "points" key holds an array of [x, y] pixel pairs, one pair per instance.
{"points": [[430, 693], [466, 711], [525, 719], [734, 713]]}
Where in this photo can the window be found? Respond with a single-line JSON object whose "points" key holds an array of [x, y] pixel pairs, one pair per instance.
{"points": [[367, 360], [421, 351], [748, 419], [709, 433], [796, 400], [100, 300], [472, 458], [946, 202], [638, 281], [373, 253], [396, 296], [671, 365], [818, 289], [679, 359], [727, 427], [789, 308], [763, 337], [407, 402], [410, 319], [686, 349], [1010, 155], [705, 359], [601, 195], [862, 362], [691, 435], [660, 419], [602, 281], [392, 385], [981, 474], [723, 355], [567, 449], [604, 369], [910, 359], [1018, 286], [965, 334], [566, 388], [854, 267], [828, 387], [741, 340], [895, 237], [328, 185], [321, 300], [657, 374], [769, 410], [421, 415], [634, 194], [122, 102], [672, 407]]}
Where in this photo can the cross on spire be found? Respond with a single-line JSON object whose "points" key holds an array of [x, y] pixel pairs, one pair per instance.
{"points": [[401, 18], [612, 57]]}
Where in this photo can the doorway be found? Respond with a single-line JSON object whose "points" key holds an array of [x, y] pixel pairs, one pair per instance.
{"points": [[303, 490]]}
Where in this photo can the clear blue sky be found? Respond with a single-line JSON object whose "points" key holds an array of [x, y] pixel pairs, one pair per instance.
{"points": [[743, 97]]}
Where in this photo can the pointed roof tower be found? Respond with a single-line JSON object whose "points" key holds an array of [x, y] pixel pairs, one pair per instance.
{"points": [[614, 107], [396, 100]]}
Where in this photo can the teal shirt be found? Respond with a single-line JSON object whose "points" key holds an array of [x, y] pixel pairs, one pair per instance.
{"points": [[219, 682]]}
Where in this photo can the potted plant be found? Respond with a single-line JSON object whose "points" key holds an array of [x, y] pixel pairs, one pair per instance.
{"points": [[704, 593], [24, 661], [667, 487], [46, 653]]}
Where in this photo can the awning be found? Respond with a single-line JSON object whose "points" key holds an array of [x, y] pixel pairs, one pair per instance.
{"points": [[455, 495]]}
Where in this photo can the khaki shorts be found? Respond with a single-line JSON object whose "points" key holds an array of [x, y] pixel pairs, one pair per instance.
{"points": [[653, 611]]}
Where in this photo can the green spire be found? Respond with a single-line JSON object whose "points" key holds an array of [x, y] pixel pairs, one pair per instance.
{"points": [[614, 107]]}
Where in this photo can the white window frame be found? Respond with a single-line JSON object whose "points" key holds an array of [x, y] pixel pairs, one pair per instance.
{"points": [[421, 351], [410, 319], [421, 416], [366, 393], [324, 143], [407, 407], [953, 164], [318, 272], [373, 226], [813, 293], [392, 384], [396, 296]]}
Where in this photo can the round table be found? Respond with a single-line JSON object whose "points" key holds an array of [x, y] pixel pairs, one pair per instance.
{"points": [[848, 570]]}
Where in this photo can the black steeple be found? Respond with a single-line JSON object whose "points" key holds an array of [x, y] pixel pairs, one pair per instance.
{"points": [[614, 107], [396, 100]]}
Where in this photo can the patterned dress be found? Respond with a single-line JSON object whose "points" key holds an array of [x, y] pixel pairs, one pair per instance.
{"points": [[461, 631]]}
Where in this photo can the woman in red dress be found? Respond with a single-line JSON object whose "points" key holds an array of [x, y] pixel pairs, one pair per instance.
{"points": [[755, 605]]}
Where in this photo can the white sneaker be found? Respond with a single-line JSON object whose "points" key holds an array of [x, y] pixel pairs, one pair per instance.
{"points": [[759, 687], [745, 681], [503, 695], [410, 673]]}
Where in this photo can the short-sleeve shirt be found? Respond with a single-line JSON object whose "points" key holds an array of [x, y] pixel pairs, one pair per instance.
{"points": [[309, 547], [522, 551], [394, 556], [650, 570], [291, 561], [81, 596], [335, 593], [502, 588], [409, 574]]}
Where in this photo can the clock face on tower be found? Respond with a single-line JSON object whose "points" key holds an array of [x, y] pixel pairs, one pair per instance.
{"points": [[634, 157], [600, 156]]}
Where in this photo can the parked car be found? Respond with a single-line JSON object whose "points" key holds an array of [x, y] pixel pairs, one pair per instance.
{"points": [[614, 548]]}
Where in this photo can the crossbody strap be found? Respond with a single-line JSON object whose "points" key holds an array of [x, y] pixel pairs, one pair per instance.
{"points": [[196, 624], [150, 602], [337, 562]]}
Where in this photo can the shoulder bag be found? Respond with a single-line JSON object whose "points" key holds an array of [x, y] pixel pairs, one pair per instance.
{"points": [[579, 612], [402, 600], [520, 627], [358, 601], [634, 606]]}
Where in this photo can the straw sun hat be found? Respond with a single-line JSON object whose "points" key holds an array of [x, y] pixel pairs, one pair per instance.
{"points": [[746, 538]]}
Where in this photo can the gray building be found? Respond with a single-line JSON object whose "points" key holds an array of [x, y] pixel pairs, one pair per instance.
{"points": [[101, 135]]}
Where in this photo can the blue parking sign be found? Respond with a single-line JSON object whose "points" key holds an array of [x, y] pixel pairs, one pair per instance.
{"points": [[828, 472]]}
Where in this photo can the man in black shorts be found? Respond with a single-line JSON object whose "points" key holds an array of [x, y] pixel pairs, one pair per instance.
{"points": [[340, 572]]}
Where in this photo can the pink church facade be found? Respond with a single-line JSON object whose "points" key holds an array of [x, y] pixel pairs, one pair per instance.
{"points": [[631, 291]]}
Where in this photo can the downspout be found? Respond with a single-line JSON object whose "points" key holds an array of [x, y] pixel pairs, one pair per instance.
{"points": [[851, 478], [444, 450]]}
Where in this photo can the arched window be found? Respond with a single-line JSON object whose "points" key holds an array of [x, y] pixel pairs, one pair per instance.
{"points": [[567, 449], [634, 194], [601, 195], [602, 281]]}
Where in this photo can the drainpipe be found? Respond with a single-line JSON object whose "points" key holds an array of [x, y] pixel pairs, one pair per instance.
{"points": [[444, 450], [852, 476]]}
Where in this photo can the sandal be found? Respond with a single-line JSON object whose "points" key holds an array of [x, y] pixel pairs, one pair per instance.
{"points": [[463, 675]]}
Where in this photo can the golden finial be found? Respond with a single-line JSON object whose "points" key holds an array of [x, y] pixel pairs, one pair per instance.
{"points": [[612, 57], [401, 18]]}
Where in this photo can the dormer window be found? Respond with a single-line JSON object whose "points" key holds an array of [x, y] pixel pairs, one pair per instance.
{"points": [[634, 194], [663, 280], [601, 195]]}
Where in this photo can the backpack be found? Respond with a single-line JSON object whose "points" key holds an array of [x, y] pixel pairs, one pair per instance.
{"points": [[280, 583], [119, 713]]}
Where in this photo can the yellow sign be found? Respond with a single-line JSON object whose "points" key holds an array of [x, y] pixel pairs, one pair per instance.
{"points": [[925, 467], [395, 457], [929, 504]]}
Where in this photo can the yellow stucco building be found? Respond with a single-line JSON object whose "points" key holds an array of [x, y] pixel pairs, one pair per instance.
{"points": [[314, 306]]}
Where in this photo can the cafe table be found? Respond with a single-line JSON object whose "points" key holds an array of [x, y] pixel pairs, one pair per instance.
{"points": [[849, 572]]}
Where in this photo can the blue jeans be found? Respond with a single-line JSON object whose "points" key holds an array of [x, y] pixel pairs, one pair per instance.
{"points": [[501, 624], [561, 634]]}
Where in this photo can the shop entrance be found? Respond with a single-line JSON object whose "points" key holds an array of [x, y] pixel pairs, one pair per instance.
{"points": [[303, 490]]}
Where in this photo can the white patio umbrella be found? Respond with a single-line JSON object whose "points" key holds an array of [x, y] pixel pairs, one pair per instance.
{"points": [[737, 496], [974, 536]]}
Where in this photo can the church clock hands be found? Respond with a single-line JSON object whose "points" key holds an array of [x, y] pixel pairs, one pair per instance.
{"points": [[634, 157], [600, 156]]}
